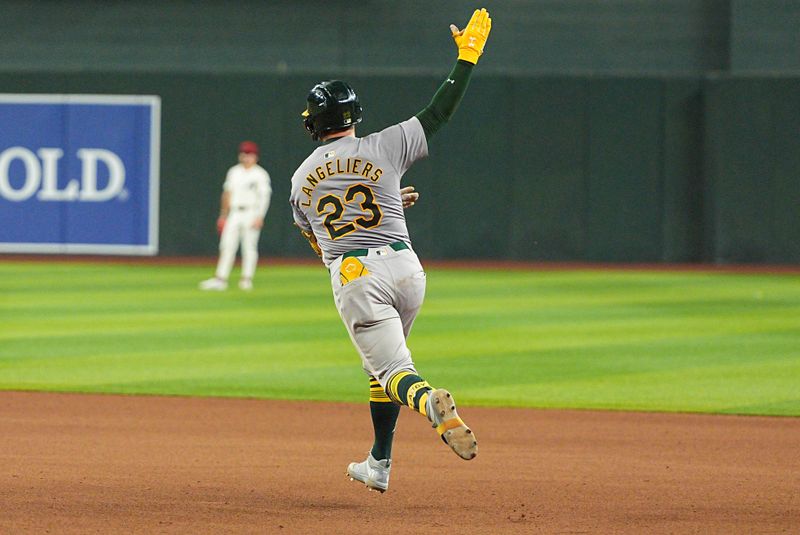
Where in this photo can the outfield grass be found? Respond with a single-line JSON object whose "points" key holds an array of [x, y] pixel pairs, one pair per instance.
{"points": [[684, 341]]}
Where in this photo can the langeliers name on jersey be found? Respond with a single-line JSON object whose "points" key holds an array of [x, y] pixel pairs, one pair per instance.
{"points": [[349, 166]]}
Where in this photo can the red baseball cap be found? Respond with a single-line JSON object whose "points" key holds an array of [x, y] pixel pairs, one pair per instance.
{"points": [[248, 147]]}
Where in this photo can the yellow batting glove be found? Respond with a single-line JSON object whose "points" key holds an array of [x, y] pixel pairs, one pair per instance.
{"points": [[312, 240], [471, 40]]}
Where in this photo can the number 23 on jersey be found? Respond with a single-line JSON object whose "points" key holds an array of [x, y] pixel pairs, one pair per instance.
{"points": [[334, 206]]}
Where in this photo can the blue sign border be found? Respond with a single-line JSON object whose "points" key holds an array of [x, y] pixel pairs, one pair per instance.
{"points": [[151, 247]]}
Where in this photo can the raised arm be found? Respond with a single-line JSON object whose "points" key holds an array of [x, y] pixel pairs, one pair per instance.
{"points": [[470, 42]]}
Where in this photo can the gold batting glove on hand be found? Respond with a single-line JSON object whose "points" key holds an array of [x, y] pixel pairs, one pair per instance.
{"points": [[312, 241], [471, 40]]}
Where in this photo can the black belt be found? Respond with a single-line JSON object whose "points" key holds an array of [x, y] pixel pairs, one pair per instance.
{"points": [[397, 246]]}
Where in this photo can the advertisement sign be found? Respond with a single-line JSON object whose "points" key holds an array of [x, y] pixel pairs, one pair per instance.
{"points": [[79, 174]]}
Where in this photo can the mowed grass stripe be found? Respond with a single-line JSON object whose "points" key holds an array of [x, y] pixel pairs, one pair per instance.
{"points": [[582, 339]]}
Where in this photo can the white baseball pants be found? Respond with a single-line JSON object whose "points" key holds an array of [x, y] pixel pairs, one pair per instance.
{"points": [[379, 309], [239, 230]]}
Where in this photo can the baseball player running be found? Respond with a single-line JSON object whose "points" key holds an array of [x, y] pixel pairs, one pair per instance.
{"points": [[245, 200], [347, 201]]}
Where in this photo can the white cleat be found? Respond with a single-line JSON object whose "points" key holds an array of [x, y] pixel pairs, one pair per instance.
{"points": [[246, 284], [214, 284], [441, 409], [373, 473]]}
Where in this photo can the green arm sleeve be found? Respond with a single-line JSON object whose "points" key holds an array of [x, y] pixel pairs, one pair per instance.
{"points": [[446, 100]]}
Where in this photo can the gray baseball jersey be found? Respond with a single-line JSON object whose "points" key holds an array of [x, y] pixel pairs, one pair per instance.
{"points": [[348, 190]]}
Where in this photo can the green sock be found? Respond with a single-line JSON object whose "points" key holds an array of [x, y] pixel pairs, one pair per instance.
{"points": [[384, 421]]}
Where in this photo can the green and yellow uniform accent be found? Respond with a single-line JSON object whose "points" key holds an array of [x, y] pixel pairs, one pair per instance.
{"points": [[376, 392], [409, 389], [404, 388]]}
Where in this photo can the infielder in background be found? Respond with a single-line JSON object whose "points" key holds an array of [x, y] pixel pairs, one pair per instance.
{"points": [[245, 200], [347, 201]]}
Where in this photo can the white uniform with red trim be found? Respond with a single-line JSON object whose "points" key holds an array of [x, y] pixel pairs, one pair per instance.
{"points": [[250, 192]]}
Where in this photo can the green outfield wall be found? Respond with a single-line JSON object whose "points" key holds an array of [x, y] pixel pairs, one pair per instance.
{"points": [[621, 130], [588, 168], [529, 36], [752, 169]]}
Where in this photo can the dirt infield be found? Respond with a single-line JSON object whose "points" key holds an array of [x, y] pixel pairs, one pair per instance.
{"points": [[109, 464]]}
